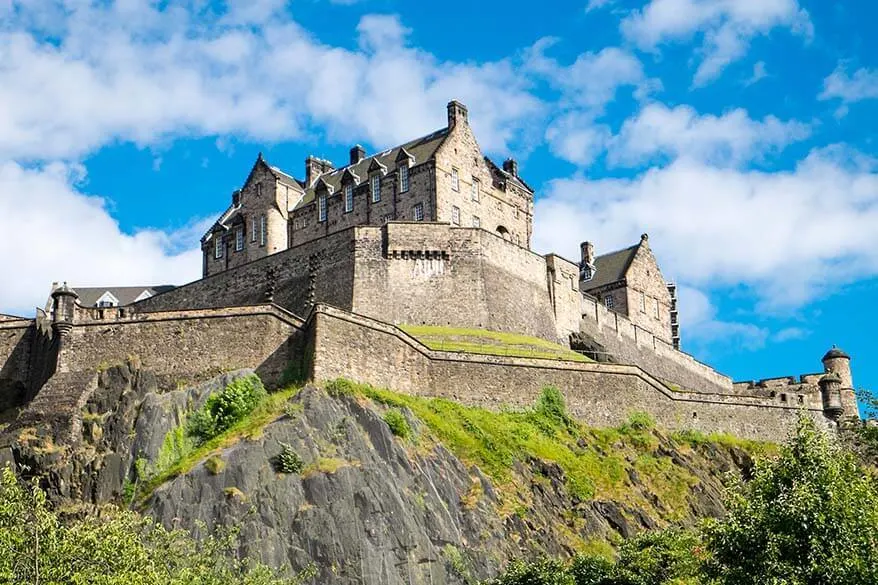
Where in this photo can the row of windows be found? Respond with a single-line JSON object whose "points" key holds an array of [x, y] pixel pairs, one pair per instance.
{"points": [[239, 237], [455, 217], [374, 190], [475, 186]]}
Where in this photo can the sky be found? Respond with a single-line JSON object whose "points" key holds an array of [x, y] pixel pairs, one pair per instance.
{"points": [[737, 133]]}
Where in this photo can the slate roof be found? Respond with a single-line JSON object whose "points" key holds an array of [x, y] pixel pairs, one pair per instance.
{"points": [[611, 267], [421, 149], [835, 352], [88, 297]]}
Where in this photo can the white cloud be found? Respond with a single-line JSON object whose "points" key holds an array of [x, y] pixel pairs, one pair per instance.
{"points": [[726, 27], [786, 236], [70, 236], [759, 73], [698, 319], [131, 71], [730, 139], [862, 85], [597, 4], [575, 137]]}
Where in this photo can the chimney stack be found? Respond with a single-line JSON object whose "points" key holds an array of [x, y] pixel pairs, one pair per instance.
{"points": [[358, 153], [457, 114], [510, 165], [314, 167], [587, 252]]}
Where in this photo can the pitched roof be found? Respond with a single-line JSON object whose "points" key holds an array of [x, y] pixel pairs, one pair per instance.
{"points": [[5, 317], [421, 149], [89, 296], [611, 267]]}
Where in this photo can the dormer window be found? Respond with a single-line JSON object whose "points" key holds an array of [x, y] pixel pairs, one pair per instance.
{"points": [[375, 185], [348, 198], [218, 247], [321, 208], [403, 178]]}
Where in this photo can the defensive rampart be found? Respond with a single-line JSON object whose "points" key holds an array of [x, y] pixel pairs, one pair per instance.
{"points": [[600, 394]]}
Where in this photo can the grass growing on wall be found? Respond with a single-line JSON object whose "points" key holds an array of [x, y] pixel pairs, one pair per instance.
{"points": [[481, 341]]}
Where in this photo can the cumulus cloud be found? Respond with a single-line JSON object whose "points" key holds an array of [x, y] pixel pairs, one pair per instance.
{"points": [[786, 236], [839, 84], [142, 71], [731, 139], [68, 235], [725, 26]]}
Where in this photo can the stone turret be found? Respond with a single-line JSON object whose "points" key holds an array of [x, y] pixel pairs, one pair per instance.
{"points": [[63, 309], [830, 391], [838, 362]]}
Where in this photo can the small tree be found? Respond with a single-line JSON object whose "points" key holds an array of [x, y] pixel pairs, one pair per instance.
{"points": [[808, 517]]}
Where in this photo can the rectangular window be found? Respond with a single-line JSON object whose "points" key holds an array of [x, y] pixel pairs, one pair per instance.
{"points": [[418, 212], [239, 239], [455, 215], [609, 302], [642, 302], [477, 223], [263, 231], [476, 189], [455, 180], [403, 179], [655, 303], [348, 198], [218, 247], [258, 189], [321, 208], [376, 188], [253, 229]]}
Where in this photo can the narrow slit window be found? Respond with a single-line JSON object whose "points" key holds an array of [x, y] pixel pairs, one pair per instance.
{"points": [[253, 230], [321, 209], [348, 198], [403, 179], [263, 231]]}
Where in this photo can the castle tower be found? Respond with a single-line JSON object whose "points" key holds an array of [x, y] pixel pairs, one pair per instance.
{"points": [[838, 362], [63, 309]]}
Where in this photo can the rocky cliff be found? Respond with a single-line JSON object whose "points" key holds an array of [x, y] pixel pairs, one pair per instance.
{"points": [[450, 502]]}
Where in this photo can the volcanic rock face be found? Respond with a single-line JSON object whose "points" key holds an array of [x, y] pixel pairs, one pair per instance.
{"points": [[367, 507]]}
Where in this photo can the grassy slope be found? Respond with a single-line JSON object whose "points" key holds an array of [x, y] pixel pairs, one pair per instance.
{"points": [[596, 463], [481, 341]]}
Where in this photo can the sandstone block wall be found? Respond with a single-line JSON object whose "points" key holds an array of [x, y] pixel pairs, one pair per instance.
{"points": [[598, 394], [16, 341]]}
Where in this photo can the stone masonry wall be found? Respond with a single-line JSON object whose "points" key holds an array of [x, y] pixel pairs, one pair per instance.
{"points": [[598, 394], [322, 269], [16, 340], [649, 302]]}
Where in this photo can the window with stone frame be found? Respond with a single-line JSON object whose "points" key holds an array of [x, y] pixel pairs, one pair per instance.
{"points": [[239, 239], [656, 306], [403, 178], [375, 185], [263, 231], [455, 215], [348, 198], [476, 190], [218, 246], [418, 212], [477, 223], [253, 230], [609, 301], [321, 208], [455, 180], [642, 302]]}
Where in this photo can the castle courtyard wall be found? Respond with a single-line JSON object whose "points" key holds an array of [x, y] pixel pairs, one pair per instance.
{"points": [[16, 341], [368, 351]]}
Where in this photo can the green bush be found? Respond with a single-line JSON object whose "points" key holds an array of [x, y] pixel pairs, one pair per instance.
{"points": [[215, 465], [551, 406], [288, 461], [225, 408], [340, 387], [399, 426], [641, 421]]}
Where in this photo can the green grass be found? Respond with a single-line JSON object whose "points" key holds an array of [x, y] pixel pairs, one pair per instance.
{"points": [[596, 462], [484, 342], [270, 409]]}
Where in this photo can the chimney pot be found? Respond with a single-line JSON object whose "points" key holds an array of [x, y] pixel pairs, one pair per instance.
{"points": [[510, 165]]}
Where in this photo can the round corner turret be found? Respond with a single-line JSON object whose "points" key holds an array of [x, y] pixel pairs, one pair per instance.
{"points": [[63, 308], [830, 392], [837, 365]]}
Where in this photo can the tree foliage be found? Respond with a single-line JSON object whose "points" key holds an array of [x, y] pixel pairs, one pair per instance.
{"points": [[223, 409], [117, 548]]}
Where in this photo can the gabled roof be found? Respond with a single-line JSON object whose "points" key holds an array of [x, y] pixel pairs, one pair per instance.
{"points": [[611, 267], [421, 149], [89, 296]]}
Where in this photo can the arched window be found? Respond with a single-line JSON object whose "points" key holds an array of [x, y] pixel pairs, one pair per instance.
{"points": [[504, 233]]}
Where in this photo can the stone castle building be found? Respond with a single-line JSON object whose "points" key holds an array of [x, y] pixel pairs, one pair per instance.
{"points": [[316, 274]]}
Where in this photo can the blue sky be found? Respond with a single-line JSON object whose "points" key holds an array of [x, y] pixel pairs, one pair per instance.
{"points": [[737, 133]]}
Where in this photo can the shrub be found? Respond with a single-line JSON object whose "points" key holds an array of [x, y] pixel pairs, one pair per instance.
{"points": [[399, 426], [223, 409], [551, 405], [641, 421], [215, 465], [288, 461], [340, 387]]}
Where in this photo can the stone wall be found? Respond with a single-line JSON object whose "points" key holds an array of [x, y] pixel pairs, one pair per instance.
{"points": [[369, 351], [16, 340], [185, 345], [649, 302]]}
